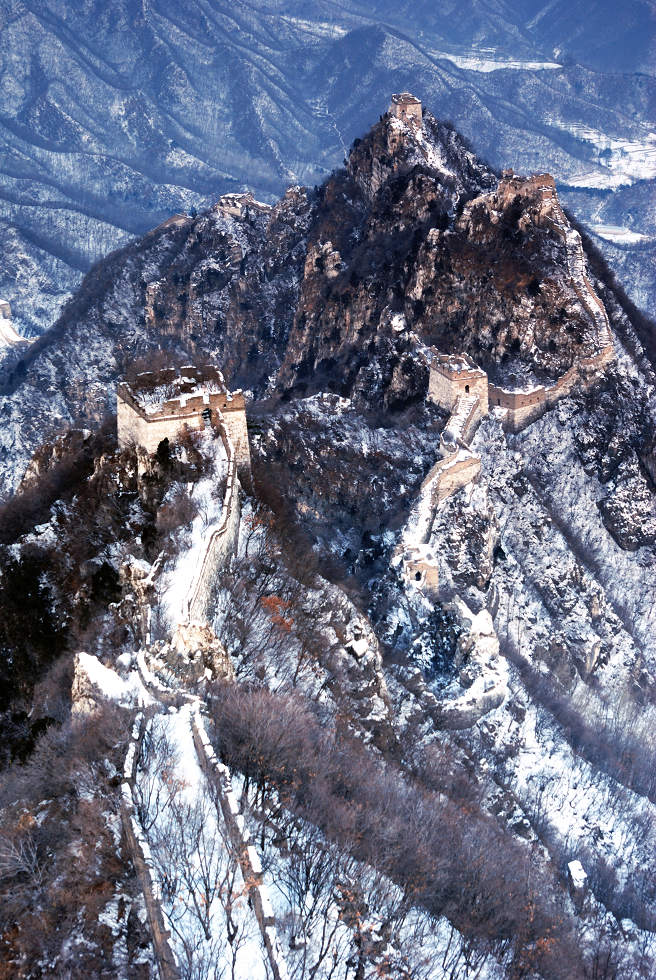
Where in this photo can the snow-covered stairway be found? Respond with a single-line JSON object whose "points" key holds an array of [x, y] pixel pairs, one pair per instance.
{"points": [[195, 866], [219, 776]]}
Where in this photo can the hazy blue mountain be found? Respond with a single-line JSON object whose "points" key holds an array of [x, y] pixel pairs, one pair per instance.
{"points": [[113, 116]]}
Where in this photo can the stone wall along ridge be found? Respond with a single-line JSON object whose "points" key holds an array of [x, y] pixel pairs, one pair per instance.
{"points": [[462, 424], [167, 966], [248, 858], [221, 543]]}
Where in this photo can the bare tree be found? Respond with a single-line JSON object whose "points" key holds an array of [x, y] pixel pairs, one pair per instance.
{"points": [[156, 763]]}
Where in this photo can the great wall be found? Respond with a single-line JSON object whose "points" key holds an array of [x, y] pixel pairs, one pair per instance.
{"points": [[456, 384], [158, 406], [460, 387], [197, 399]]}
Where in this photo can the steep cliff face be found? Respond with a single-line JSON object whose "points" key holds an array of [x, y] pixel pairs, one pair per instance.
{"points": [[416, 242], [436, 245]]}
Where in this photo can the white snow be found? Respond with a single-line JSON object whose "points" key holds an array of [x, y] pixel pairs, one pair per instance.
{"points": [[183, 785], [176, 580], [620, 160], [577, 874], [126, 690], [487, 60], [9, 336], [622, 236]]}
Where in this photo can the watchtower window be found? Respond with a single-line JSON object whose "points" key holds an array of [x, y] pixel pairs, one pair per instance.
{"points": [[467, 389], [417, 576]]}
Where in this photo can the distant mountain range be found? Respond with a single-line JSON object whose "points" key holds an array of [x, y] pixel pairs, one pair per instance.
{"points": [[113, 117]]}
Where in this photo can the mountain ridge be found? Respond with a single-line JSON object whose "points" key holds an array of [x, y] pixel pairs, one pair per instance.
{"points": [[439, 618], [175, 120], [219, 279]]}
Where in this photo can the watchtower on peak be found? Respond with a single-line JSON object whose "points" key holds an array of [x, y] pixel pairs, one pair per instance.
{"points": [[160, 404], [407, 108]]}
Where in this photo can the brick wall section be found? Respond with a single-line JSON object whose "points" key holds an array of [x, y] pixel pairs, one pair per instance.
{"points": [[249, 861], [167, 967], [448, 475], [462, 424], [456, 474], [447, 384], [525, 407], [443, 479], [410, 114]]}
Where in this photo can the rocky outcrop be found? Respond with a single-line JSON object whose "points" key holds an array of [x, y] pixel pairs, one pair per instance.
{"points": [[69, 446], [628, 507], [94, 684], [196, 653], [331, 290]]}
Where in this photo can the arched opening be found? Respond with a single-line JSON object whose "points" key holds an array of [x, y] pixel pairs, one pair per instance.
{"points": [[417, 576], [467, 389], [498, 401]]}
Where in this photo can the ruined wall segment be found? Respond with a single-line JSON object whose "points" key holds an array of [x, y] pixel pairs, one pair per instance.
{"points": [[159, 405], [233, 413], [407, 108]]}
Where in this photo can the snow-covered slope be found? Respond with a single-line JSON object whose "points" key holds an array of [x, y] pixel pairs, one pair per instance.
{"points": [[8, 335]]}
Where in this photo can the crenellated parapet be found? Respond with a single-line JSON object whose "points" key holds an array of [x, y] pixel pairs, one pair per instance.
{"points": [[159, 405], [458, 385]]}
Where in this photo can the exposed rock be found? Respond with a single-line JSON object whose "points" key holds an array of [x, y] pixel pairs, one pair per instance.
{"points": [[465, 535], [629, 508], [197, 647], [69, 445], [309, 294], [94, 684]]}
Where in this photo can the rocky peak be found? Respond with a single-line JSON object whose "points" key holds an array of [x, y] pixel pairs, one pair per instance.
{"points": [[417, 230], [415, 243], [394, 147]]}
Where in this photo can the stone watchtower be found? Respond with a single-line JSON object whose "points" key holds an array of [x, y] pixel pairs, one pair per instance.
{"points": [[160, 405], [453, 375], [406, 107]]}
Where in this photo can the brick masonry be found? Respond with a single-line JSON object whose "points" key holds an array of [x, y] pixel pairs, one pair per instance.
{"points": [[139, 427]]}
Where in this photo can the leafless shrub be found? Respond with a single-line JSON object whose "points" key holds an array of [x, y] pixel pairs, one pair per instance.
{"points": [[445, 856], [156, 761], [196, 862], [177, 512]]}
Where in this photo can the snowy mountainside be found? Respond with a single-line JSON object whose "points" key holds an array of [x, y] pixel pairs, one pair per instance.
{"points": [[111, 123], [263, 288], [433, 777]]}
